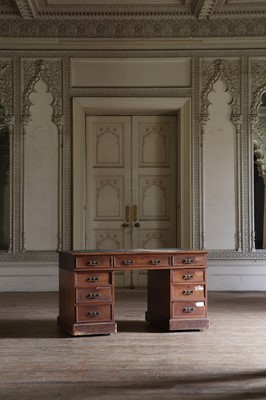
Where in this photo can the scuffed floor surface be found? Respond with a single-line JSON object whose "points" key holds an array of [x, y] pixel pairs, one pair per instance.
{"points": [[227, 362]]}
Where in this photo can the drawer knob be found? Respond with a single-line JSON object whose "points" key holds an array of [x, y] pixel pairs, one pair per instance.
{"points": [[155, 262], [187, 292], [188, 309], [93, 295], [128, 262], [93, 278], [93, 262], [93, 314], [188, 260], [188, 276]]}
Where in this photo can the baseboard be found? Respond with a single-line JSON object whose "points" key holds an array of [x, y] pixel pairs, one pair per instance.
{"points": [[222, 276], [28, 276]]}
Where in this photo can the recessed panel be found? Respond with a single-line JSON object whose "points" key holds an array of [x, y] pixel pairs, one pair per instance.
{"points": [[108, 142], [154, 144], [153, 238], [154, 200], [137, 72], [109, 197], [109, 239]]}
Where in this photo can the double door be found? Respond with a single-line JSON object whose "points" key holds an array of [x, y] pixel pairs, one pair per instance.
{"points": [[131, 185]]}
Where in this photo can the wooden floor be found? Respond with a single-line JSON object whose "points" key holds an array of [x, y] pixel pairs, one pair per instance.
{"points": [[227, 362]]}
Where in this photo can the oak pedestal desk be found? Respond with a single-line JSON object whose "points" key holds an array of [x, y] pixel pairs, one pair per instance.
{"points": [[177, 289]]}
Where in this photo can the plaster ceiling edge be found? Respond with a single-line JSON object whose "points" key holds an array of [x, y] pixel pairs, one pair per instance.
{"points": [[120, 43]]}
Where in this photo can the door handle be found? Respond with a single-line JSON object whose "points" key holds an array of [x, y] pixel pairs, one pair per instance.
{"points": [[135, 217], [127, 217]]}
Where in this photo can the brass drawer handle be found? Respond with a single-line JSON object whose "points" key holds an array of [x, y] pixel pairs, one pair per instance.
{"points": [[188, 276], [93, 262], [155, 262], [93, 278], [93, 295], [188, 309], [93, 314], [128, 262], [188, 260], [187, 292]]}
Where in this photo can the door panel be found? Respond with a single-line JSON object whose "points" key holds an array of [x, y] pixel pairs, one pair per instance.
{"points": [[108, 182], [154, 185], [131, 185]]}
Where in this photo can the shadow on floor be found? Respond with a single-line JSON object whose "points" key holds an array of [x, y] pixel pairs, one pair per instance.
{"points": [[239, 386], [38, 329]]}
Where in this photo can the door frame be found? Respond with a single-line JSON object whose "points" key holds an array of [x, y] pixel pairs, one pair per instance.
{"points": [[180, 107]]}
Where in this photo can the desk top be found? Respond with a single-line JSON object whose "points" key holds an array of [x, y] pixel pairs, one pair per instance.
{"points": [[129, 251]]}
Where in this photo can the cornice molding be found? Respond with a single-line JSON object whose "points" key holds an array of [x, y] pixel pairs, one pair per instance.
{"points": [[25, 9], [204, 8], [143, 27]]}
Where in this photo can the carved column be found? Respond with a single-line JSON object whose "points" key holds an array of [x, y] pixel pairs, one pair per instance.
{"points": [[264, 214], [6, 100], [257, 133]]}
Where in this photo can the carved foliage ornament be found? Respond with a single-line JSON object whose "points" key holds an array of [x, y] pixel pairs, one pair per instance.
{"points": [[6, 84], [258, 123], [229, 71], [51, 73]]}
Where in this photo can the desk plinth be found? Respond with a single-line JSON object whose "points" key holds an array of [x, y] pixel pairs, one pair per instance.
{"points": [[177, 289]]}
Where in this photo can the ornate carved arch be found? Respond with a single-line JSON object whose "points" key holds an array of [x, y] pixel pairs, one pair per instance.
{"points": [[258, 127], [50, 73], [228, 71]]}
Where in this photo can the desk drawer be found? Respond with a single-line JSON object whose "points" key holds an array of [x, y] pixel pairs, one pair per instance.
{"points": [[188, 275], [93, 278], [187, 292], [141, 261], [94, 294], [93, 261], [190, 259], [94, 313], [189, 309]]}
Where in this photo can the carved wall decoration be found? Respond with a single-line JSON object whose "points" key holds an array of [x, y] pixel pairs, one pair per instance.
{"points": [[149, 26], [50, 72], [229, 71], [257, 124], [6, 92], [194, 93], [6, 102], [108, 239], [151, 239]]}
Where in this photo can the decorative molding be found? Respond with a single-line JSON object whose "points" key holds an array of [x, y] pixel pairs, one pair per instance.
{"points": [[204, 8], [257, 123], [26, 9], [6, 92], [79, 10], [229, 71], [6, 100], [66, 167], [50, 71], [257, 126], [135, 27]]}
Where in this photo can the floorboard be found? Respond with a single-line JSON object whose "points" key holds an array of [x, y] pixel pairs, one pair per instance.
{"points": [[226, 362]]}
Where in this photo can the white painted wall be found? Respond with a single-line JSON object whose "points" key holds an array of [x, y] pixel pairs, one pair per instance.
{"points": [[41, 173], [220, 179], [41, 179]]}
